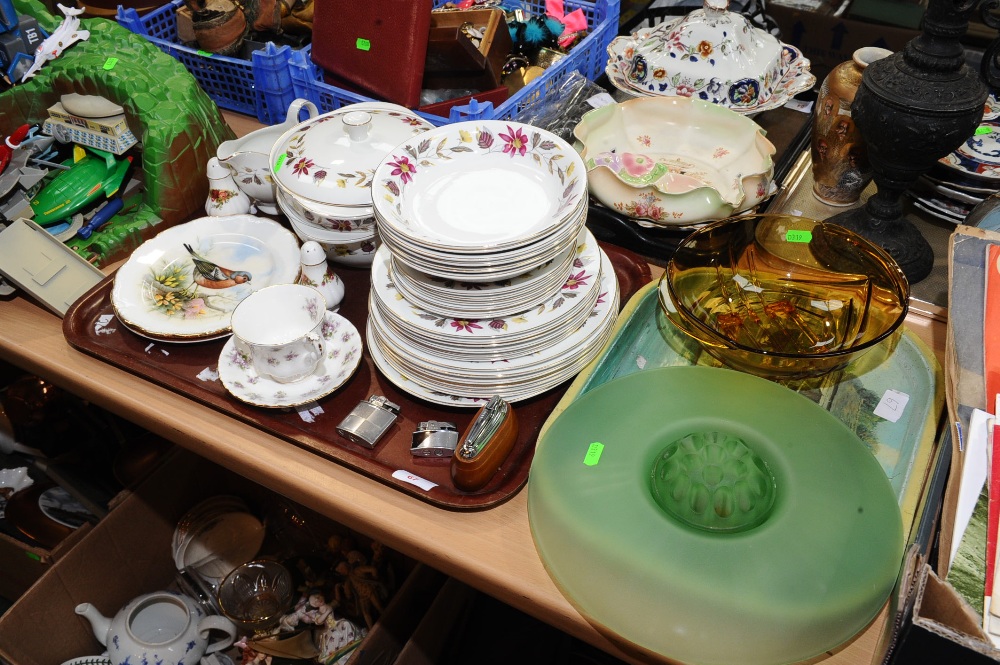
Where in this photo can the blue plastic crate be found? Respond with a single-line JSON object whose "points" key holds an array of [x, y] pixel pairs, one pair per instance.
{"points": [[589, 57], [267, 84], [260, 87]]}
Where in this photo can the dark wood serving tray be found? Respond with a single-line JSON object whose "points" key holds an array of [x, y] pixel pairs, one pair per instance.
{"points": [[178, 366]]}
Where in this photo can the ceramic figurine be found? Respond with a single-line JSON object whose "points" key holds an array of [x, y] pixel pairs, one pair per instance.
{"points": [[224, 196], [316, 272]]}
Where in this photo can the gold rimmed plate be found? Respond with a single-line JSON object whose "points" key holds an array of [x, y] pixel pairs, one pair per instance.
{"points": [[183, 284]]}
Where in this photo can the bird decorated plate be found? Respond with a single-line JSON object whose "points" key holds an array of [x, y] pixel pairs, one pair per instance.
{"points": [[183, 284], [343, 356]]}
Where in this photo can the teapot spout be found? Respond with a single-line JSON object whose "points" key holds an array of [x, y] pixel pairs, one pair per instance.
{"points": [[98, 622]]}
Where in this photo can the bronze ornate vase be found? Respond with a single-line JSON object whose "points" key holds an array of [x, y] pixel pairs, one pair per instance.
{"points": [[913, 108]]}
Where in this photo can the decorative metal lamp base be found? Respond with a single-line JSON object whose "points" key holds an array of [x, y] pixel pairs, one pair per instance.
{"points": [[899, 237], [913, 108]]}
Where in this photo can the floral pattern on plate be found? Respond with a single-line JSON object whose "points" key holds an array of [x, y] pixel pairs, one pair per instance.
{"points": [[577, 293], [342, 359], [980, 154], [518, 182], [467, 383], [184, 283], [796, 79]]}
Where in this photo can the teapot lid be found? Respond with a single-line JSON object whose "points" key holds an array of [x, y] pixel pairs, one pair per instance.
{"points": [[330, 159]]}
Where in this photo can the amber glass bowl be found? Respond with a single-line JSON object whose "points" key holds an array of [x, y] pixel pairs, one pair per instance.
{"points": [[782, 296]]}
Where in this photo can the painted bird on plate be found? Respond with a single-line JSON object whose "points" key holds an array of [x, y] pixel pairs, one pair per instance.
{"points": [[212, 276]]}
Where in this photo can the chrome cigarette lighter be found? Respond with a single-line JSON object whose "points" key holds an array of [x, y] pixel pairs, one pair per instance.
{"points": [[369, 421]]}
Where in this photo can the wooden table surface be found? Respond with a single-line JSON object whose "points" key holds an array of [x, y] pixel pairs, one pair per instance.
{"points": [[491, 550]]}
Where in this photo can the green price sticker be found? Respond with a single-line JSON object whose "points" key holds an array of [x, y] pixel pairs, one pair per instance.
{"points": [[110, 63], [983, 129], [798, 236], [594, 451], [363, 44], [205, 54], [281, 161]]}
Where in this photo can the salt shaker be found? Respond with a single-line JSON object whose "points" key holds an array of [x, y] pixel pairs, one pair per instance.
{"points": [[316, 272], [224, 195]]}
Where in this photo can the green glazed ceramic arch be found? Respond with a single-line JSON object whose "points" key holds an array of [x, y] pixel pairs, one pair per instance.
{"points": [[722, 519]]}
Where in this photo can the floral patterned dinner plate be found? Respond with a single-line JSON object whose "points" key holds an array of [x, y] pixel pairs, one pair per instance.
{"points": [[342, 359], [183, 284], [435, 387], [479, 186], [564, 309]]}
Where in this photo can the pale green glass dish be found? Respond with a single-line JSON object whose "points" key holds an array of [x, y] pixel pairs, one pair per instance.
{"points": [[723, 518]]}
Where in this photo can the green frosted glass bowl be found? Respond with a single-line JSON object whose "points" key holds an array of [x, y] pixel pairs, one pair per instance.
{"points": [[783, 296], [722, 518]]}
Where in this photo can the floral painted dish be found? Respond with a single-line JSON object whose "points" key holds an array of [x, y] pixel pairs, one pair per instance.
{"points": [[713, 54], [329, 160], [479, 186], [484, 267], [563, 309], [483, 299], [326, 219], [444, 380], [675, 161], [183, 284], [979, 156], [472, 372], [342, 359]]}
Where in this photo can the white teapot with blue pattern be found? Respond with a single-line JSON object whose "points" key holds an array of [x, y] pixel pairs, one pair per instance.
{"points": [[162, 627]]}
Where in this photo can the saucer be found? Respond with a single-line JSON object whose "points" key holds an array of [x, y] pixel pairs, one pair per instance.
{"points": [[342, 359]]}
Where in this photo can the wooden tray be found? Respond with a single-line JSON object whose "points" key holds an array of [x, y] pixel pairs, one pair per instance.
{"points": [[90, 326]]}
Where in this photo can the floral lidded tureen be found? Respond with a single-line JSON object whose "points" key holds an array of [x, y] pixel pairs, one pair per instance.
{"points": [[323, 167], [711, 54]]}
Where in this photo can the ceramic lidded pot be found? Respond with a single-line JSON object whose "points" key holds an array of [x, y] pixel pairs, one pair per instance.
{"points": [[324, 166], [712, 54], [840, 166], [161, 627]]}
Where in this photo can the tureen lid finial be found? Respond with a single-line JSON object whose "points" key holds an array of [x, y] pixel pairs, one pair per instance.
{"points": [[717, 5], [358, 124]]}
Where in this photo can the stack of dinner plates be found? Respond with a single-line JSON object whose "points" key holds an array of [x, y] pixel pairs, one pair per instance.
{"points": [[487, 281], [465, 360], [480, 201]]}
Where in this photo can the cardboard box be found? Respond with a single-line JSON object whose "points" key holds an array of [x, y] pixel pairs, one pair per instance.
{"points": [[936, 624], [22, 564], [463, 625], [126, 555], [829, 40]]}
